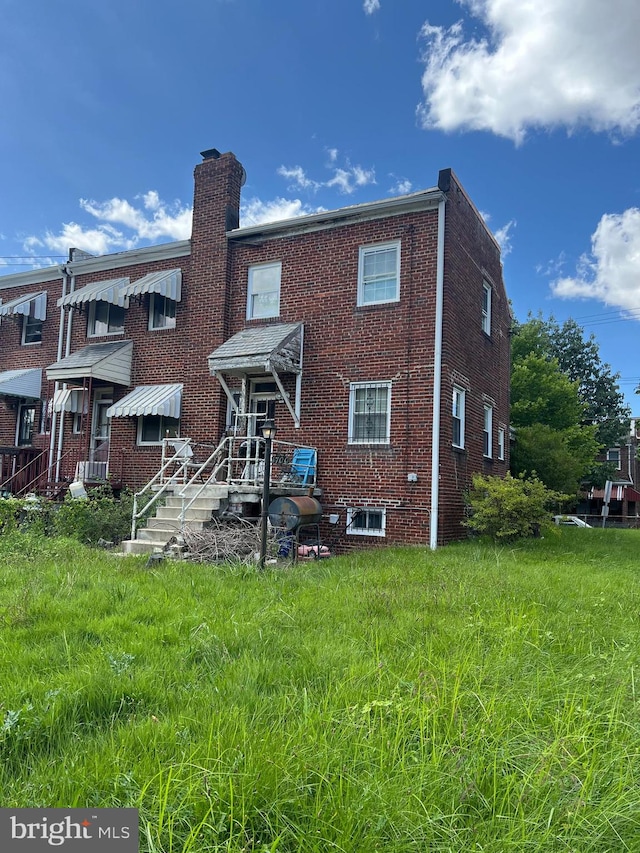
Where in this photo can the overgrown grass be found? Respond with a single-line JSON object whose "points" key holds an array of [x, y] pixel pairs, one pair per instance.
{"points": [[478, 698]]}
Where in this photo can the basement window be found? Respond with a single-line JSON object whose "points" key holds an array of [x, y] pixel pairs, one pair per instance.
{"points": [[366, 521]]}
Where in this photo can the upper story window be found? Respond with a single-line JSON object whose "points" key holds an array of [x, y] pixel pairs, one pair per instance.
{"points": [[458, 416], [486, 308], [613, 456], [153, 428], [31, 330], [162, 312], [105, 319], [379, 274], [370, 413], [263, 291], [487, 448]]}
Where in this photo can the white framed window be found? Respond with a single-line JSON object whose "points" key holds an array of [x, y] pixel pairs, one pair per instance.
{"points": [[162, 312], [379, 274], [458, 408], [487, 432], [31, 330], [370, 413], [613, 456], [105, 319], [367, 521], [501, 443], [486, 308], [263, 291], [153, 428]]}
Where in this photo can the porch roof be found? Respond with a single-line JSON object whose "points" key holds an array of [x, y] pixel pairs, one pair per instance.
{"points": [[260, 349], [165, 282], [104, 291], [26, 382], [149, 400], [31, 304], [619, 492], [109, 361]]}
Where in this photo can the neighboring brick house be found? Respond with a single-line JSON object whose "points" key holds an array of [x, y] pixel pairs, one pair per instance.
{"points": [[624, 497], [377, 334]]}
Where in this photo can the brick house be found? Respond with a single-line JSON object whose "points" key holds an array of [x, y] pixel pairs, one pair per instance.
{"points": [[376, 337]]}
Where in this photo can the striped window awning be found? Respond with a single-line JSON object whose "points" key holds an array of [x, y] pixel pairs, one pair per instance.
{"points": [[163, 400], [98, 291], [70, 400], [166, 283], [22, 383], [31, 305]]}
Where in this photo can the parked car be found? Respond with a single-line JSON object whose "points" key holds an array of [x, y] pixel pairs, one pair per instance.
{"points": [[570, 520]]}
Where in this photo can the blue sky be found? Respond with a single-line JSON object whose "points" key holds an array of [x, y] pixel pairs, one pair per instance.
{"points": [[536, 107]]}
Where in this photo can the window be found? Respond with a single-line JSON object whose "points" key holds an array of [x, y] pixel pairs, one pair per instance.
{"points": [[369, 413], [263, 292], [105, 319], [31, 330], [379, 274], [153, 428], [162, 312], [501, 438], [613, 455], [458, 417], [486, 308], [367, 521], [487, 448], [26, 423]]}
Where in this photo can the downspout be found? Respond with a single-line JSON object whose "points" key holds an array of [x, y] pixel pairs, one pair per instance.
{"points": [[437, 383], [54, 415], [67, 350]]}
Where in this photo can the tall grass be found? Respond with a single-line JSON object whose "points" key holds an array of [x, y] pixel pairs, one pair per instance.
{"points": [[478, 698]]}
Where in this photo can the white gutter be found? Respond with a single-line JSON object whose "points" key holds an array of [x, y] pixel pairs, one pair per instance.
{"points": [[67, 350], [437, 384], [54, 414]]}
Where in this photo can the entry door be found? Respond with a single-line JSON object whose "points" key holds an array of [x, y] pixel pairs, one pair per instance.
{"points": [[100, 431], [262, 404]]}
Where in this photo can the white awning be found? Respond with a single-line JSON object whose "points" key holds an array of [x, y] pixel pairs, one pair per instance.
{"points": [[166, 282], [149, 400], [103, 291], [110, 362], [70, 400], [22, 383], [259, 349], [30, 305]]}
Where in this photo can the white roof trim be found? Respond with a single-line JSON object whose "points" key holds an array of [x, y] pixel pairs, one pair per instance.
{"points": [[165, 400]]}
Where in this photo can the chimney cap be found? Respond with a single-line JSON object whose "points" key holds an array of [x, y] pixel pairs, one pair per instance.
{"points": [[210, 154]]}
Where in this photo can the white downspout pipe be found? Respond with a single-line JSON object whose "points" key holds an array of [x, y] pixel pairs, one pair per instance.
{"points": [[437, 383], [67, 350], [54, 414]]}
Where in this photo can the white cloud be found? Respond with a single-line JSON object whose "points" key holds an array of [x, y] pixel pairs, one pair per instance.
{"points": [[544, 64], [298, 177], [255, 211], [371, 6], [503, 237], [402, 186], [611, 271], [346, 178], [120, 226]]}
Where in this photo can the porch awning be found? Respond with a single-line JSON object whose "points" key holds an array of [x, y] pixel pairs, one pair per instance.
{"points": [[110, 362], [69, 400], [619, 492], [21, 383], [103, 291], [149, 400], [29, 305], [260, 349], [166, 282]]}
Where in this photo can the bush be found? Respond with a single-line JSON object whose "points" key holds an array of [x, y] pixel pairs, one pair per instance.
{"points": [[100, 515], [511, 508]]}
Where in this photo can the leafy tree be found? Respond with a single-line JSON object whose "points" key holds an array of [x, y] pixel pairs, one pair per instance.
{"points": [[560, 458], [511, 507]]}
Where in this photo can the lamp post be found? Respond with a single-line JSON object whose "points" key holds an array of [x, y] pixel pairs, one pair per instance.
{"points": [[268, 430]]}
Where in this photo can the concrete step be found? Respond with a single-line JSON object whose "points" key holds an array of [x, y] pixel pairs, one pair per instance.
{"points": [[212, 490], [138, 546], [172, 513], [209, 503]]}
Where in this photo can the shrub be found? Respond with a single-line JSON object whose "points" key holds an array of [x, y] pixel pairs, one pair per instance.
{"points": [[512, 507], [100, 515]]}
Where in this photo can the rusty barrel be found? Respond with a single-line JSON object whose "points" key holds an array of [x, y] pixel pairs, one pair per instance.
{"points": [[290, 513]]}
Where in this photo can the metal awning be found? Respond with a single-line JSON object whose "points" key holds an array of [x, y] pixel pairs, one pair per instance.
{"points": [[166, 282], [70, 400], [619, 492], [22, 383], [149, 400], [261, 350], [31, 305], [110, 362], [103, 291]]}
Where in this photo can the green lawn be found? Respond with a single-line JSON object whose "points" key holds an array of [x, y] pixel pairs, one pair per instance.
{"points": [[479, 698]]}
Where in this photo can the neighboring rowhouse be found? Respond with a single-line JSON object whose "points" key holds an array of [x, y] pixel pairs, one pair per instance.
{"points": [[624, 493], [376, 336]]}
